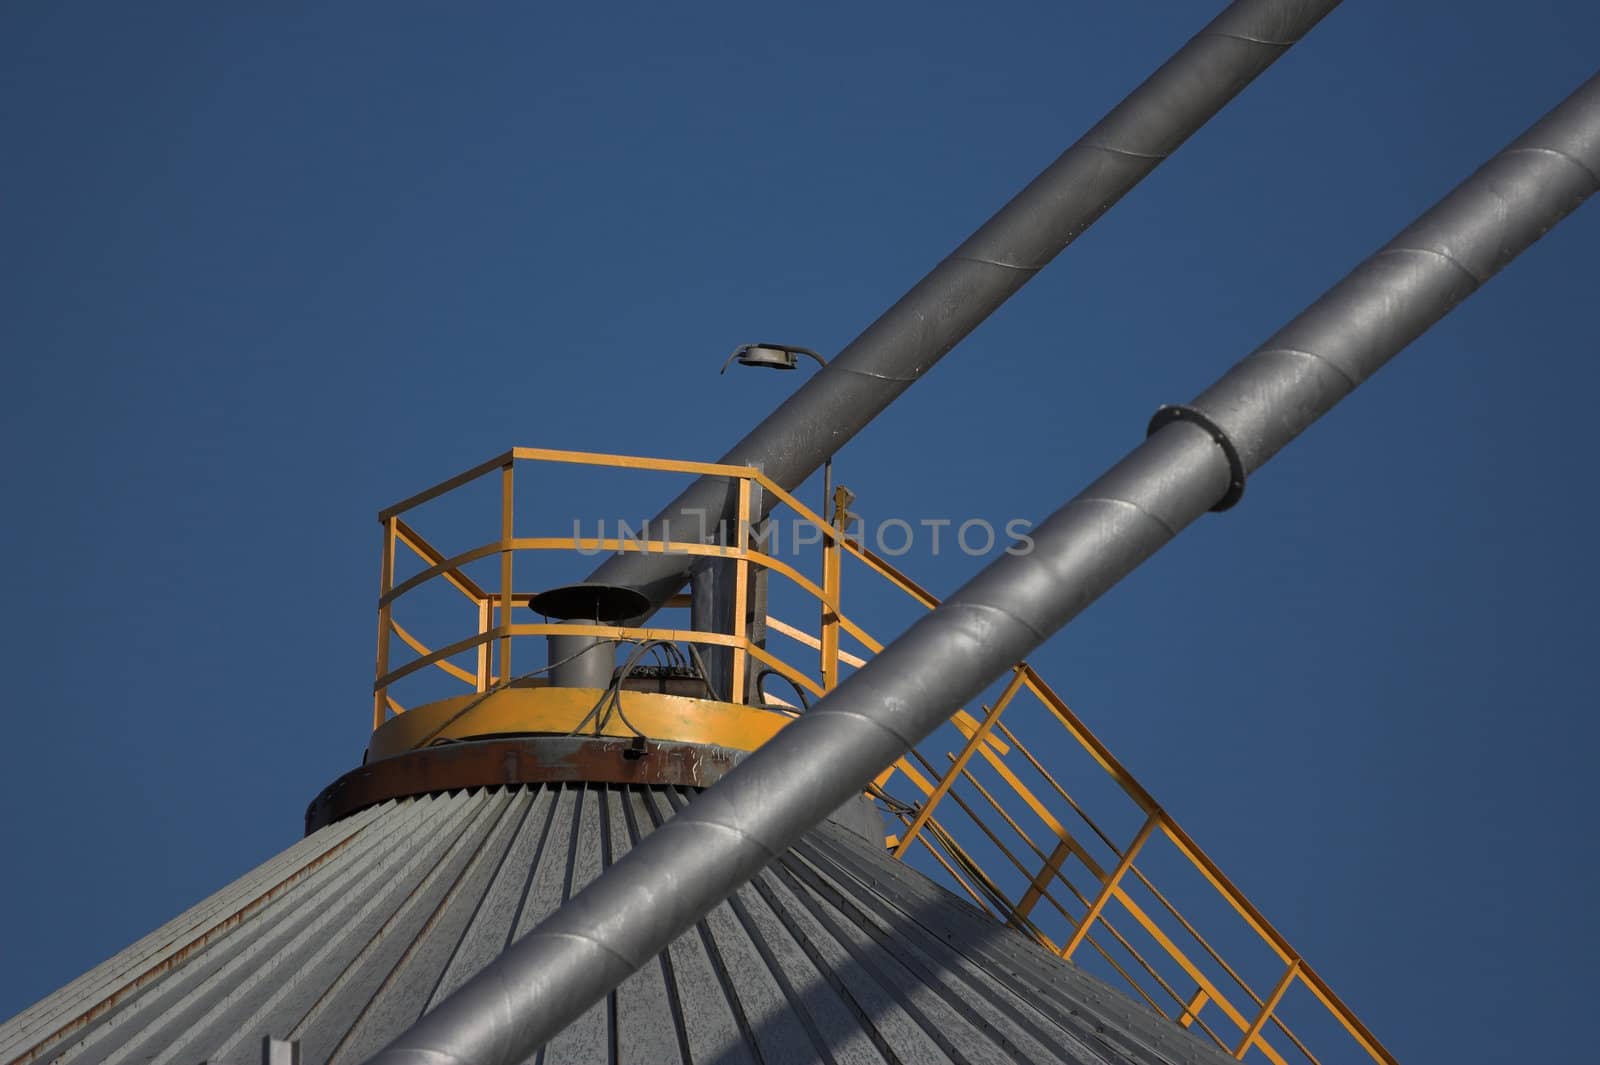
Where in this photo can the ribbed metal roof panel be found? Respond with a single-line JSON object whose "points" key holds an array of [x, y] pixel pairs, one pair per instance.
{"points": [[835, 953]]}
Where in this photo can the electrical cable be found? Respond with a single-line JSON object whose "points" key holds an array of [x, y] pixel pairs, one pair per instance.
{"points": [[805, 702], [705, 674], [459, 714], [611, 699]]}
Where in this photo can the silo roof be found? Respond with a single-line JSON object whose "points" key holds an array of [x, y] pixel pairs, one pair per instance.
{"points": [[834, 953]]}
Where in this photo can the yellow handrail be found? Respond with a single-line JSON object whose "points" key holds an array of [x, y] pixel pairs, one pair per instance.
{"points": [[917, 787]]}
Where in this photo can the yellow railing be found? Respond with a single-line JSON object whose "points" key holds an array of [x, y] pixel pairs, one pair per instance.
{"points": [[987, 811]]}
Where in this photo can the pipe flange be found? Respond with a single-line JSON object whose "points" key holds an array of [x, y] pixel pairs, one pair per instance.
{"points": [[1166, 415]]}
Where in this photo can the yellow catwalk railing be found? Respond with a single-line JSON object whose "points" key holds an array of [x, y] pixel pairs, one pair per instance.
{"points": [[1010, 828]]}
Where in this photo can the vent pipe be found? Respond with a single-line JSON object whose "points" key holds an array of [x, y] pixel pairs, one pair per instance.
{"points": [[1004, 254], [584, 661], [1195, 459]]}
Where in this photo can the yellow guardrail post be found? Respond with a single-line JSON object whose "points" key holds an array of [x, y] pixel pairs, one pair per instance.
{"points": [[385, 583], [507, 486], [979, 736], [1040, 884], [829, 630], [1109, 889], [1266, 1010], [1191, 1009], [482, 680], [741, 593]]}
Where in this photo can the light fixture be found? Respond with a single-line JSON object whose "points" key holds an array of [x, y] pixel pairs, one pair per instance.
{"points": [[771, 356], [782, 357]]}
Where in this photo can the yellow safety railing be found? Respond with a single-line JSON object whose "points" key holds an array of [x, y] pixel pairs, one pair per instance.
{"points": [[985, 809]]}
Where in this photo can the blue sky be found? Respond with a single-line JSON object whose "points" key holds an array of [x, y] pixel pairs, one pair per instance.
{"points": [[268, 271]]}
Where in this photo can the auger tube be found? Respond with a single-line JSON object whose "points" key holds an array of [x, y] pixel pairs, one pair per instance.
{"points": [[1005, 253]]}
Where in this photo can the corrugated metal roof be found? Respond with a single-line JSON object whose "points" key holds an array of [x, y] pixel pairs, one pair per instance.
{"points": [[835, 953]]}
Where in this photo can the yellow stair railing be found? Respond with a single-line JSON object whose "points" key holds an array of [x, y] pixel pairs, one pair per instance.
{"points": [[984, 810]]}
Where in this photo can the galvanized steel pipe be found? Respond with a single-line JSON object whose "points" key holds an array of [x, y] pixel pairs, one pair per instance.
{"points": [[1193, 461], [1003, 255]]}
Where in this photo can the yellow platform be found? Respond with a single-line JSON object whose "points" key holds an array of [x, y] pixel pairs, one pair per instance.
{"points": [[560, 711]]}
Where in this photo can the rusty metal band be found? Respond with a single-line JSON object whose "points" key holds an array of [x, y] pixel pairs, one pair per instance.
{"points": [[510, 761]]}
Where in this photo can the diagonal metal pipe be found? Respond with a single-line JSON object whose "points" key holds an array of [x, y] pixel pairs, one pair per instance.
{"points": [[1004, 254], [1195, 459]]}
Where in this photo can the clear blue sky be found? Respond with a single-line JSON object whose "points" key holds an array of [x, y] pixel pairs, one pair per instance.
{"points": [[269, 270]]}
